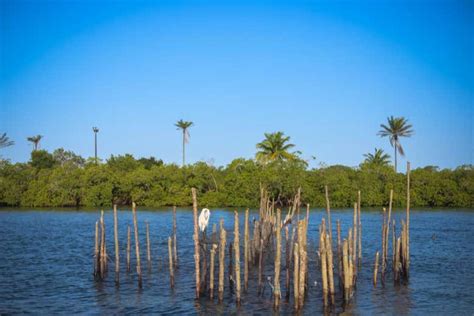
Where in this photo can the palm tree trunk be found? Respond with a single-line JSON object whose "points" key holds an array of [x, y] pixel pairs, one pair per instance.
{"points": [[184, 145], [395, 158]]}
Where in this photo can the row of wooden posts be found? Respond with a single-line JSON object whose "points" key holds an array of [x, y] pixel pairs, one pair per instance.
{"points": [[101, 258], [266, 240]]}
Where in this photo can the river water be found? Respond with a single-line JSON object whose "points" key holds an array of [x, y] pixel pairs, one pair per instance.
{"points": [[46, 265]]}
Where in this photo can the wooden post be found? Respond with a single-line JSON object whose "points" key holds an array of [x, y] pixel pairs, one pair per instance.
{"points": [[328, 211], [407, 263], [351, 272], [96, 250], [393, 243], [376, 267], [339, 253], [137, 244], [360, 229], [288, 262], [383, 244], [350, 240], [260, 266], [117, 254], [237, 256], [196, 243], [345, 263], [170, 256], [231, 266], [246, 250], [175, 240], [203, 270], [211, 277], [277, 291], [402, 252], [324, 272], [103, 254], [354, 247], [330, 268], [387, 226], [148, 246], [296, 275], [128, 248], [302, 284], [396, 264], [221, 261]]}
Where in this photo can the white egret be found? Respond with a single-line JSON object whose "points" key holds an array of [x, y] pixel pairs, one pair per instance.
{"points": [[204, 218]]}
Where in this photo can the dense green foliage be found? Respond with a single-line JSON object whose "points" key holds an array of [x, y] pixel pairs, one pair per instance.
{"points": [[65, 179], [275, 147]]}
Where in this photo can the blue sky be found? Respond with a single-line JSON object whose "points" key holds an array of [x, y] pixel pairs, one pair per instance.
{"points": [[326, 73]]}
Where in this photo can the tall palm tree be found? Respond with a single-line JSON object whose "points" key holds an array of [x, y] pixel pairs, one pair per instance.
{"points": [[184, 126], [396, 128], [35, 140], [5, 141], [274, 147], [379, 158]]}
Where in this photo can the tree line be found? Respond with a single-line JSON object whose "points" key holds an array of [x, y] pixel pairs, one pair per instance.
{"points": [[62, 178]]}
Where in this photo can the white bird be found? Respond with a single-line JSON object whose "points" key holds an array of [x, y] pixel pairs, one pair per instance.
{"points": [[204, 218]]}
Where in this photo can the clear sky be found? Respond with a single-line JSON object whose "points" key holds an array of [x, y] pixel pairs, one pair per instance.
{"points": [[325, 73]]}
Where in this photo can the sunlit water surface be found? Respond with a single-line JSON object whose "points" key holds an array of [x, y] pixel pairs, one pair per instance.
{"points": [[46, 266]]}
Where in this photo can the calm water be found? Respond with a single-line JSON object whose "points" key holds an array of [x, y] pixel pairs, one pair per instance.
{"points": [[46, 266]]}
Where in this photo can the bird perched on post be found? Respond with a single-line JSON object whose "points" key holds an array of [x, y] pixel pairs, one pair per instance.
{"points": [[204, 218]]}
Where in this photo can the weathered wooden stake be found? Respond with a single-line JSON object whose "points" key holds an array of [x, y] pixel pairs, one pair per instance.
{"points": [[128, 248], [148, 246], [324, 272], [237, 256], [222, 260], [175, 239], [196, 243], [330, 267], [137, 244], [376, 268], [394, 240], [96, 250], [246, 250], [117, 254], [211, 277], [354, 254], [277, 291], [260, 266], [345, 263], [360, 229], [396, 270], [339, 255], [230, 272], [387, 226], [170, 255], [296, 275], [383, 245], [328, 211], [103, 254]]}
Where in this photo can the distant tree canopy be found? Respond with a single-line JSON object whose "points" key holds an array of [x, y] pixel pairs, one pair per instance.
{"points": [[66, 179]]}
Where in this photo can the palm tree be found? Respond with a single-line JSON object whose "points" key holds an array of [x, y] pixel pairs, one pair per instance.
{"points": [[397, 127], [184, 126], [379, 158], [5, 141], [35, 140], [274, 147]]}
